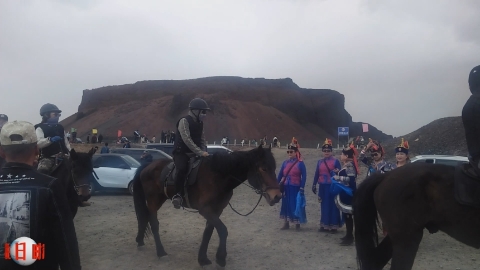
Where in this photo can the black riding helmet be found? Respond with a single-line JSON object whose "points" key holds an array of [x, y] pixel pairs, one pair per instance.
{"points": [[47, 108], [198, 104], [474, 79]]}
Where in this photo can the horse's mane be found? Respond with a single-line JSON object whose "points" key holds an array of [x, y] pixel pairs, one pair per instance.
{"points": [[231, 163]]}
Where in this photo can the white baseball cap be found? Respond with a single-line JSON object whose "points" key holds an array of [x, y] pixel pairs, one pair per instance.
{"points": [[17, 132]]}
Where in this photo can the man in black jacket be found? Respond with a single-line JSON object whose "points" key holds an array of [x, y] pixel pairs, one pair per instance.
{"points": [[32, 204], [51, 138], [471, 119], [189, 142]]}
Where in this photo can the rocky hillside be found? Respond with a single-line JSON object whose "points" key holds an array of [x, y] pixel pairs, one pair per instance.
{"points": [[445, 136], [241, 107]]}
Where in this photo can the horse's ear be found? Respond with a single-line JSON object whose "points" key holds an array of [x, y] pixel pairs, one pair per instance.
{"points": [[92, 151], [73, 154]]}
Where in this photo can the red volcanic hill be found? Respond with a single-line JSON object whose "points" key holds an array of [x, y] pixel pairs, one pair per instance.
{"points": [[241, 107], [444, 136]]}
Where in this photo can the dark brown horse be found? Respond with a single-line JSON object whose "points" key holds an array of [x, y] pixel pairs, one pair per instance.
{"points": [[217, 176], [75, 174], [409, 199]]}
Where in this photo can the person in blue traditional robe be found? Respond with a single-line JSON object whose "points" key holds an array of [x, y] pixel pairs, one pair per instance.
{"points": [[328, 166], [292, 175]]}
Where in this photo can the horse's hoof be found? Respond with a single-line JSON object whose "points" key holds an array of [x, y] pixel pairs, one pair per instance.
{"points": [[204, 262], [161, 254], [221, 263], [220, 267], [140, 244], [165, 258]]}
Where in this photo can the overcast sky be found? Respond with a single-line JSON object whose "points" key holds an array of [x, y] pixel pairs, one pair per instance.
{"points": [[400, 64]]}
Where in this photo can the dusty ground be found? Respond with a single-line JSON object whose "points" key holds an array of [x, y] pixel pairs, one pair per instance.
{"points": [[106, 232]]}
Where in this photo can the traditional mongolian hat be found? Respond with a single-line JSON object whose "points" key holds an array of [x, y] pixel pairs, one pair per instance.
{"points": [[402, 148], [327, 144], [351, 152], [294, 145], [376, 147]]}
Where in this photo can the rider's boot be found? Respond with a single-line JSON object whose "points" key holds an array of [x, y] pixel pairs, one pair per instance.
{"points": [[177, 200]]}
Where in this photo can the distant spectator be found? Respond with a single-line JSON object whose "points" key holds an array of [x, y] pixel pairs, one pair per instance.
{"points": [[127, 144], [105, 149], [136, 136], [68, 136], [88, 138], [100, 138], [94, 138], [172, 137], [153, 139], [74, 137], [162, 137]]}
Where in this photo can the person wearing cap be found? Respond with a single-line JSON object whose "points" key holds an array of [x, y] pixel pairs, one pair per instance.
{"points": [[40, 200], [401, 154], [327, 167], [292, 176], [347, 176], [376, 161], [51, 138], [191, 142], [146, 157], [470, 118]]}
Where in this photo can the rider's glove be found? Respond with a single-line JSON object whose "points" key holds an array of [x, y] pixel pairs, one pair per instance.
{"points": [[55, 139]]}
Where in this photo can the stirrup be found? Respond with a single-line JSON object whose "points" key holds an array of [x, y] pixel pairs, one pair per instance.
{"points": [[177, 201]]}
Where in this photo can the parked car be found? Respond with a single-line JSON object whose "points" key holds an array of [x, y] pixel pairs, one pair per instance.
{"points": [[137, 153], [165, 147], [211, 149], [441, 159], [114, 171]]}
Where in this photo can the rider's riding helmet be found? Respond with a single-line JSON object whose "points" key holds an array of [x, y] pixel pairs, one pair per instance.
{"points": [[48, 108], [474, 80], [198, 104]]}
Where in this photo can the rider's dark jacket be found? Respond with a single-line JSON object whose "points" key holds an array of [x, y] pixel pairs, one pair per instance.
{"points": [[191, 138], [35, 205], [48, 148]]}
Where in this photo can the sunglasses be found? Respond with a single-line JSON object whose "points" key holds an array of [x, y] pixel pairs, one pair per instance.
{"points": [[375, 154], [326, 151], [289, 152], [203, 111]]}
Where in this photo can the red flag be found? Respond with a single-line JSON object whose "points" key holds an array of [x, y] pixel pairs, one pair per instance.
{"points": [[365, 127], [119, 133]]}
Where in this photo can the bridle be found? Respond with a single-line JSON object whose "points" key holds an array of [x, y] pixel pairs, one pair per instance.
{"points": [[75, 185], [261, 192]]}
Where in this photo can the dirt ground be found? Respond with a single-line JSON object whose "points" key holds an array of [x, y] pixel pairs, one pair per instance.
{"points": [[106, 233]]}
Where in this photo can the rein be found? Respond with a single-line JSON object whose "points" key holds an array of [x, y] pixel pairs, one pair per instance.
{"points": [[258, 191]]}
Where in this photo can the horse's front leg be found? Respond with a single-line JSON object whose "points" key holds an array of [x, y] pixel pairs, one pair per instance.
{"points": [[214, 219], [202, 253]]}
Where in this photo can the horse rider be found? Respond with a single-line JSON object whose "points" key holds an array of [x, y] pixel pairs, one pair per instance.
{"points": [[375, 163], [191, 142], [470, 118], [52, 141]]}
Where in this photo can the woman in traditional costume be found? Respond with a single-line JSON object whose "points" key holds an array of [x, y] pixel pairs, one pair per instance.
{"points": [[327, 167], [401, 154]]}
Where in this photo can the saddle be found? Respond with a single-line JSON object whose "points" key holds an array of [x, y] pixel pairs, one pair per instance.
{"points": [[467, 185], [168, 174]]}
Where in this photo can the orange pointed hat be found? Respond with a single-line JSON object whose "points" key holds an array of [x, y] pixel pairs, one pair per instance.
{"points": [[402, 147], [296, 146], [327, 144]]}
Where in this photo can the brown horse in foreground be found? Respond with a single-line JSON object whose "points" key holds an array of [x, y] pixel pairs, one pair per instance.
{"points": [[409, 199], [217, 176]]}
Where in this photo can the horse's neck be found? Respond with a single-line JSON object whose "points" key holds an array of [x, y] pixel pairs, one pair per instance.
{"points": [[2, 162]]}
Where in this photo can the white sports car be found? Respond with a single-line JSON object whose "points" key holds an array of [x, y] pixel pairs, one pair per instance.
{"points": [[114, 171]]}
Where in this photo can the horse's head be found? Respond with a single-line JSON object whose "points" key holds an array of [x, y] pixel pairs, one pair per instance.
{"points": [[262, 175], [82, 169]]}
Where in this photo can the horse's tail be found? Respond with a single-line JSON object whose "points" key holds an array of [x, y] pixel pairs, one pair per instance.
{"points": [[366, 220], [139, 199]]}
